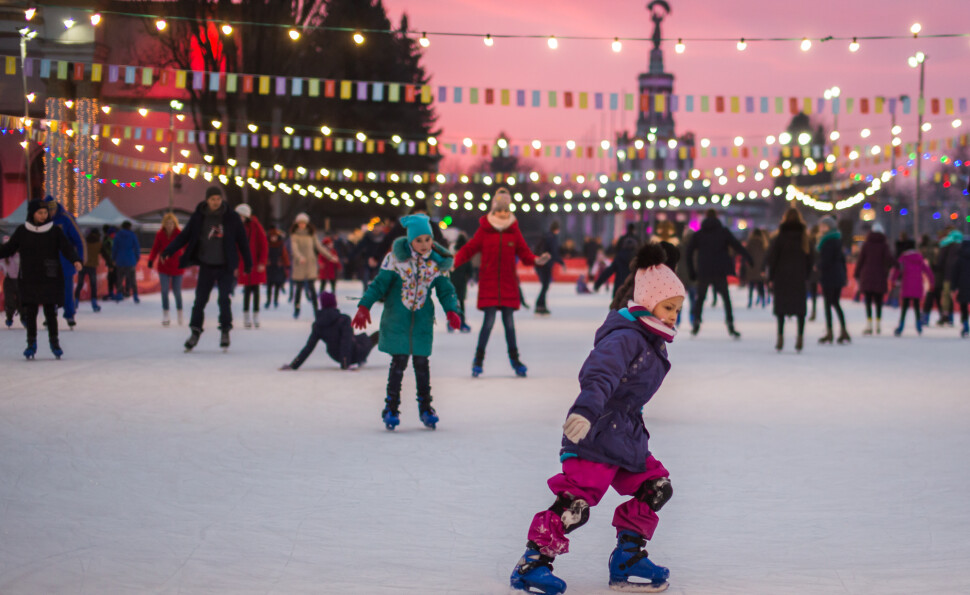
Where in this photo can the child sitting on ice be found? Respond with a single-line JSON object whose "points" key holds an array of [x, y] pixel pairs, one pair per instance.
{"points": [[604, 438], [333, 328], [581, 287]]}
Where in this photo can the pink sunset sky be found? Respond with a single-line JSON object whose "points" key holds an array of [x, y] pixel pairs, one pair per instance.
{"points": [[768, 68]]}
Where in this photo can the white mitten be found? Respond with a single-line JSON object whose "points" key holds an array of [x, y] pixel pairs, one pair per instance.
{"points": [[576, 427]]}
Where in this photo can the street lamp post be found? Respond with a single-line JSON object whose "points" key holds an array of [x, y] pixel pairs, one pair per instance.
{"points": [[832, 94], [918, 61], [173, 106], [26, 34]]}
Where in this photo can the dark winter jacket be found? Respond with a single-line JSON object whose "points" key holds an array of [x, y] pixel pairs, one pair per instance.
{"points": [[756, 272], [789, 267], [333, 328], [125, 250], [626, 249], [65, 220], [41, 248], [234, 241], [277, 260], [712, 244], [832, 273], [946, 257], [625, 369], [874, 263], [549, 243], [961, 273]]}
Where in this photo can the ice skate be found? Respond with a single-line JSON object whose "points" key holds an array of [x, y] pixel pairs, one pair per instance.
{"points": [[533, 573], [518, 366], [542, 311], [224, 340], [477, 364], [428, 417], [179, 317], [166, 319], [9, 322], [966, 330], [868, 330], [629, 561], [879, 326], [732, 332], [296, 313], [465, 328], [247, 321], [780, 343], [255, 319], [31, 349], [193, 340], [71, 323], [827, 338], [391, 417], [799, 343], [56, 349], [96, 307], [844, 337]]}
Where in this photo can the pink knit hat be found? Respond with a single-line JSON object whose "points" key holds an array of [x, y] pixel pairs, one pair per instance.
{"points": [[655, 284]]}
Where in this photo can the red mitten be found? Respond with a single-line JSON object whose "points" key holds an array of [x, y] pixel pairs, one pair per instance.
{"points": [[362, 319], [454, 320]]}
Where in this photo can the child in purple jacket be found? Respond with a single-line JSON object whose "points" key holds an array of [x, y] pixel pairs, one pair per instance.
{"points": [[910, 272], [605, 441]]}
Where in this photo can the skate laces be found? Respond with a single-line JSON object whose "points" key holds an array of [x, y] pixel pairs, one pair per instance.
{"points": [[637, 544], [528, 563]]}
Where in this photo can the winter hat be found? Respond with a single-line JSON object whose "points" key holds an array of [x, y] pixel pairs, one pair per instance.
{"points": [[828, 221], [654, 281], [301, 217], [501, 200], [37, 204], [244, 210], [327, 300], [878, 228], [417, 225], [212, 191]]}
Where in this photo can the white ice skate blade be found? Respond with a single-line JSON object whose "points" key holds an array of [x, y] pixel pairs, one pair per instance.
{"points": [[628, 587]]}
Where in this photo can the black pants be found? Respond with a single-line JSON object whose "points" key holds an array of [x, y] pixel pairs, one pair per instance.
{"points": [[126, 281], [30, 321], [250, 292], [91, 274], [209, 277], [906, 302], [799, 321], [545, 279], [872, 298], [759, 287], [933, 298], [507, 321], [964, 311], [333, 285], [422, 377], [831, 299], [112, 281], [720, 287], [11, 297], [273, 293], [311, 293]]}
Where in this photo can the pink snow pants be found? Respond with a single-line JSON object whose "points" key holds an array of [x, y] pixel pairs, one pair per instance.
{"points": [[589, 481]]}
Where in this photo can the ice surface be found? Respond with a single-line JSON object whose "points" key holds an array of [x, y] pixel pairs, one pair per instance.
{"points": [[132, 467]]}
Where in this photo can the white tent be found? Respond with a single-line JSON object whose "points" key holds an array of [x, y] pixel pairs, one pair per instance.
{"points": [[19, 215], [106, 213]]}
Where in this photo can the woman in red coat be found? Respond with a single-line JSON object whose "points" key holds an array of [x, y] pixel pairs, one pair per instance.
{"points": [[259, 247], [169, 272], [327, 269], [500, 242]]}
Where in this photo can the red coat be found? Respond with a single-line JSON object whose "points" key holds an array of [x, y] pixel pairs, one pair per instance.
{"points": [[170, 265], [259, 248], [498, 283], [326, 268]]}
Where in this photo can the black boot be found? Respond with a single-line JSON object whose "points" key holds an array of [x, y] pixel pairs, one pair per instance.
{"points": [[518, 366], [827, 338], [799, 343], [844, 337], [193, 339], [780, 343], [224, 339], [733, 333]]}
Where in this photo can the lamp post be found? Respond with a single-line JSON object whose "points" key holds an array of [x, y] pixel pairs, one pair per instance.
{"points": [[26, 34], [173, 106], [918, 61]]}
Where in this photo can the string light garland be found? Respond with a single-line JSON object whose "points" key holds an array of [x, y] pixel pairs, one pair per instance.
{"points": [[161, 23]]}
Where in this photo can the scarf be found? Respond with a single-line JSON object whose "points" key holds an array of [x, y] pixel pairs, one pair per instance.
{"points": [[634, 311], [499, 224], [831, 234], [417, 273]]}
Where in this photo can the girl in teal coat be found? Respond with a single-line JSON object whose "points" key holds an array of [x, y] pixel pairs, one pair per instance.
{"points": [[413, 267]]}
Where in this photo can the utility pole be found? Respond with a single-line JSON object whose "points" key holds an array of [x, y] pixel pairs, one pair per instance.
{"points": [[173, 105], [26, 34], [919, 60]]}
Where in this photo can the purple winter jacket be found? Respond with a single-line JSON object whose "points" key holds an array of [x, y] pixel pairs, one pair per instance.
{"points": [[875, 261], [623, 371], [913, 267]]}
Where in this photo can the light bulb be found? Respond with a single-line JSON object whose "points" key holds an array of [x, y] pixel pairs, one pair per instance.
{"points": [[806, 44], [358, 38], [325, 130], [915, 29], [227, 29], [160, 24], [294, 34], [68, 23], [488, 40], [288, 129], [552, 42], [680, 47], [742, 45], [216, 124], [29, 13], [143, 112], [424, 41], [854, 46], [617, 45], [253, 128], [95, 19]]}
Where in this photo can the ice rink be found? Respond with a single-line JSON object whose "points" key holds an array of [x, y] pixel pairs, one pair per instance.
{"points": [[132, 467]]}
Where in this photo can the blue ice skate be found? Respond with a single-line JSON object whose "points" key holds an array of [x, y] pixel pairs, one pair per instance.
{"points": [[429, 417], [56, 349], [966, 330], [391, 418], [31, 350], [629, 560], [518, 366], [533, 573], [478, 363]]}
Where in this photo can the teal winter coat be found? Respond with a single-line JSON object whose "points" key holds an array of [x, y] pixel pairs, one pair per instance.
{"points": [[405, 284]]}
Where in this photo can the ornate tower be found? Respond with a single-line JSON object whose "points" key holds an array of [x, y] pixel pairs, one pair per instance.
{"points": [[656, 82]]}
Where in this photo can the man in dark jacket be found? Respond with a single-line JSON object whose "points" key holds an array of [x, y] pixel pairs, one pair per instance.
{"points": [[333, 328], [712, 244], [549, 243], [214, 238], [626, 248]]}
